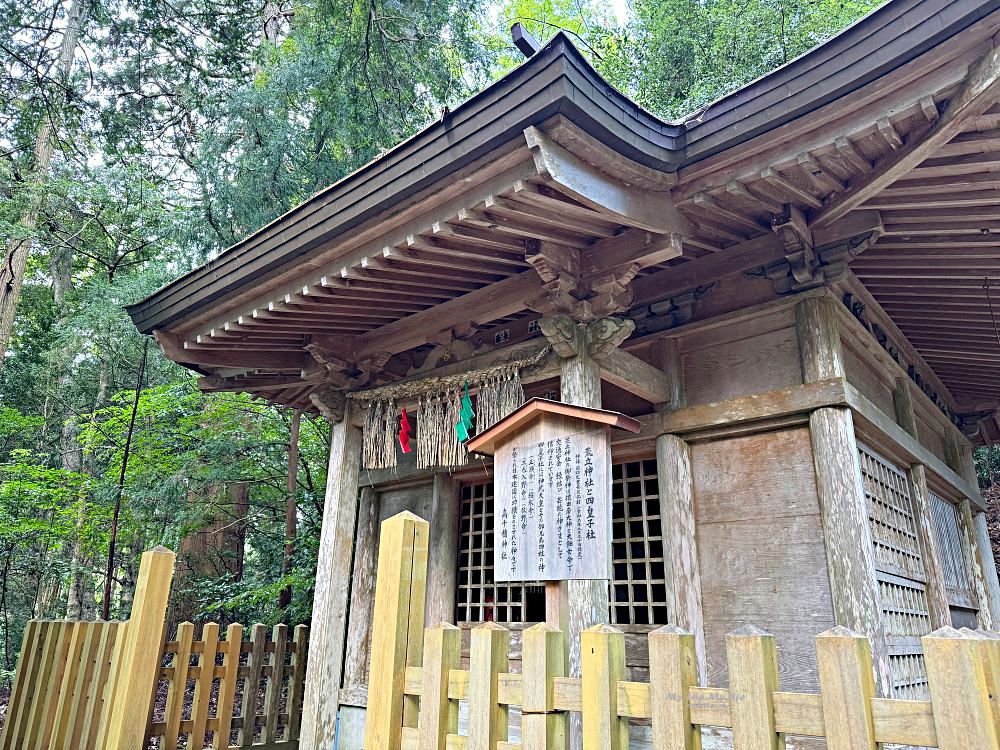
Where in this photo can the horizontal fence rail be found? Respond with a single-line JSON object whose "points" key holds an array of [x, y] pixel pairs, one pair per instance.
{"points": [[416, 683]]}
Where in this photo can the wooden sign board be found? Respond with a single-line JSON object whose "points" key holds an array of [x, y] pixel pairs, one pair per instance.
{"points": [[552, 492]]}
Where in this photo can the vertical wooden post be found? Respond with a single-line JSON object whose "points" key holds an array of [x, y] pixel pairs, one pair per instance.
{"points": [[846, 687], [443, 556], [587, 602], [333, 576], [673, 671], [251, 690], [990, 578], [850, 554], [139, 655], [682, 571], [970, 540], [488, 718], [989, 647], [359, 624], [543, 658], [960, 697], [603, 669], [438, 714], [753, 678], [399, 617], [937, 595], [227, 687]]}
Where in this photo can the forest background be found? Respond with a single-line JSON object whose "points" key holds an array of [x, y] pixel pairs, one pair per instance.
{"points": [[140, 137]]}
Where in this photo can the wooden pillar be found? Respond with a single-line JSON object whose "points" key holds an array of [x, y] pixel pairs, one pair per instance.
{"points": [[990, 579], [850, 554], [333, 572], [937, 594], [978, 561], [681, 569], [362, 609], [442, 573]]}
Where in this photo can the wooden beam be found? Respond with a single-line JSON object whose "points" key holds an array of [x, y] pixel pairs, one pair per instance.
{"points": [[975, 97], [571, 175], [173, 349], [483, 305], [635, 246], [631, 374]]}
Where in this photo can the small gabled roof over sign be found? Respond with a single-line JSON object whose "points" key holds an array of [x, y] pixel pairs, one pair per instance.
{"points": [[518, 420]]}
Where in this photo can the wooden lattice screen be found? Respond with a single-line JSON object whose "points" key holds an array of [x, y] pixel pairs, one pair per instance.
{"points": [[638, 594], [900, 569], [957, 578]]}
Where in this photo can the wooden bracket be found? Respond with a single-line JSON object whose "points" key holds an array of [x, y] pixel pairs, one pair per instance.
{"points": [[792, 228], [332, 404]]}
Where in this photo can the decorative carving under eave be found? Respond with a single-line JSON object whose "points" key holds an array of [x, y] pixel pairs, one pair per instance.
{"points": [[793, 230], [600, 337], [342, 373], [331, 404], [671, 312], [803, 270]]}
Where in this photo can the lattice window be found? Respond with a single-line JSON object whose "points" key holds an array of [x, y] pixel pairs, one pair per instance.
{"points": [[638, 593], [900, 570], [480, 598], [949, 542]]}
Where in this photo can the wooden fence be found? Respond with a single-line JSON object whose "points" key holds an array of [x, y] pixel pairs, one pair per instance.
{"points": [[277, 664], [89, 685], [416, 682]]}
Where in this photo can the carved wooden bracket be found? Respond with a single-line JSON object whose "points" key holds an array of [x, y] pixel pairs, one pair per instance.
{"points": [[968, 422], [599, 337], [793, 229], [824, 265], [342, 373], [332, 404]]}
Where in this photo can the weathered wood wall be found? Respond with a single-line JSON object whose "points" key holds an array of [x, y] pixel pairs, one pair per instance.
{"points": [[760, 544]]}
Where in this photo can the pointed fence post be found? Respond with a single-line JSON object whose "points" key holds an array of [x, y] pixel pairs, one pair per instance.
{"points": [[847, 686], [543, 658], [488, 718], [227, 687], [603, 652], [399, 618], [139, 655], [960, 696], [673, 671], [438, 715], [753, 678]]}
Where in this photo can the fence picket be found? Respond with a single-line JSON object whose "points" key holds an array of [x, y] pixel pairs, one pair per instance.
{"points": [[960, 696], [76, 634], [178, 685], [543, 659], [40, 705], [753, 678], [673, 671], [203, 686], [101, 685], [438, 715], [272, 695], [251, 690], [488, 657], [227, 687], [69, 737], [847, 686], [296, 682], [25, 682], [603, 667]]}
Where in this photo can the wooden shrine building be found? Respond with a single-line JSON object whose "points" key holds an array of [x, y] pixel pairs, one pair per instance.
{"points": [[795, 291]]}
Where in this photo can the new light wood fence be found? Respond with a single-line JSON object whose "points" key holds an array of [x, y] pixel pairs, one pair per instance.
{"points": [[91, 685], [267, 673], [416, 682]]}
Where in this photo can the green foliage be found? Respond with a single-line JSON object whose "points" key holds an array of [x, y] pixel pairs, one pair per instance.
{"points": [[181, 129]]}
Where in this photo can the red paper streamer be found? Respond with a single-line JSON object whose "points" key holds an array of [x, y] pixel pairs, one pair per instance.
{"points": [[404, 432]]}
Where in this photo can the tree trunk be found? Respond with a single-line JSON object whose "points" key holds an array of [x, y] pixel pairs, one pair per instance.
{"points": [[291, 510], [16, 256]]}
